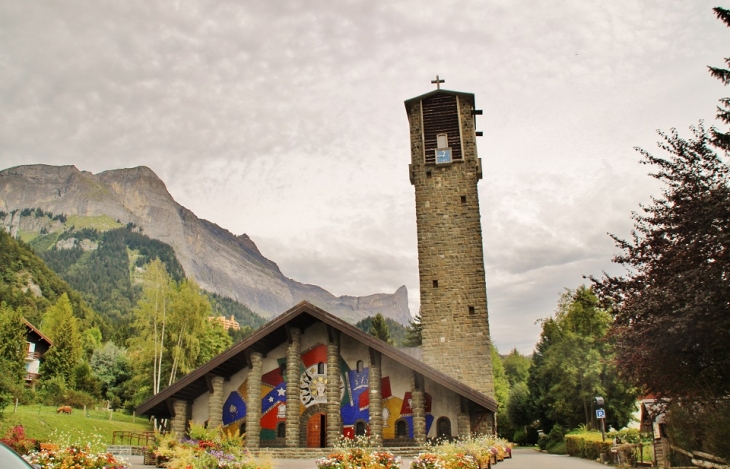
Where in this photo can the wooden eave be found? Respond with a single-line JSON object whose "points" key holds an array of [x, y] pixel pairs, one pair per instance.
{"points": [[35, 330], [410, 102], [273, 334]]}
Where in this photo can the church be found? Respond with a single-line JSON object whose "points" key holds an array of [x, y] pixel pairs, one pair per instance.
{"points": [[308, 378]]}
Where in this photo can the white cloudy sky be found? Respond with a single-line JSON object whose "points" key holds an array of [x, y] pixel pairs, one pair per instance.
{"points": [[285, 120]]}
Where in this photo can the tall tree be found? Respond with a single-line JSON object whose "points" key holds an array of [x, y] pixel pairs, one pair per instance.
{"points": [[61, 327], [12, 343], [380, 329], [516, 367], [672, 308], [573, 364], [722, 139], [170, 329], [147, 345], [414, 332]]}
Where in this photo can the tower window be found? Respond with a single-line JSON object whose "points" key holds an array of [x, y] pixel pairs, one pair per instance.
{"points": [[442, 141], [463, 199], [320, 368], [360, 366], [281, 430], [428, 174], [471, 310], [435, 284]]}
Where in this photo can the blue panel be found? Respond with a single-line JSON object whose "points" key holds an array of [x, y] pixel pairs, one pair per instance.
{"points": [[278, 394], [234, 408]]}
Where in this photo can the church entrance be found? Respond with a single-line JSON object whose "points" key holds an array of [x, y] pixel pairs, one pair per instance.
{"points": [[316, 431]]}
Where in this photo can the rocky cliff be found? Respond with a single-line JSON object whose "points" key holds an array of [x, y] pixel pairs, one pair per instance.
{"points": [[220, 261]]}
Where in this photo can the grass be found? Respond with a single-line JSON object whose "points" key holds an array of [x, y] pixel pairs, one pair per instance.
{"points": [[556, 448], [42, 423], [101, 222]]}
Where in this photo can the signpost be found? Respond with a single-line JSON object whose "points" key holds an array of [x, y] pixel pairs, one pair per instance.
{"points": [[601, 414]]}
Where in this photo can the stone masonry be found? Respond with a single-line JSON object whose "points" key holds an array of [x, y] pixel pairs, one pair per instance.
{"points": [[253, 401], [178, 424], [376, 398], [450, 254], [292, 388], [215, 402], [418, 409], [334, 423]]}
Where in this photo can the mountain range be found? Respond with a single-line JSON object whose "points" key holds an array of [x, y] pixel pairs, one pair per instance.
{"points": [[218, 260]]}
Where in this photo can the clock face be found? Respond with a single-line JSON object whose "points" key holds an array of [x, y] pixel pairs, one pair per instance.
{"points": [[443, 155]]}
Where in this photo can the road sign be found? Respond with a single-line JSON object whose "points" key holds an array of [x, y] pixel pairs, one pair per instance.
{"points": [[600, 414]]}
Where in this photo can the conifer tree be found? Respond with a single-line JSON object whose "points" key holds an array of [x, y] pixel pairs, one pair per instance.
{"points": [[414, 332], [380, 329], [12, 343], [722, 139], [61, 327]]}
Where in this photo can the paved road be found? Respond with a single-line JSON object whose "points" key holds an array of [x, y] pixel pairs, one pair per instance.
{"points": [[523, 458]]}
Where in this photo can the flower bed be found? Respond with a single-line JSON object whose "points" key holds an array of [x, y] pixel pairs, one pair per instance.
{"points": [[76, 457], [473, 452], [205, 449]]}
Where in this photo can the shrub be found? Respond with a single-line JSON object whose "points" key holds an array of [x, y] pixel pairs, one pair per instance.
{"points": [[520, 437], [16, 439], [78, 399], [586, 445]]}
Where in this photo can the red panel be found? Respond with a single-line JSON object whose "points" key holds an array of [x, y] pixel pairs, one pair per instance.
{"points": [[316, 355], [364, 400], [269, 420], [385, 387], [273, 377]]}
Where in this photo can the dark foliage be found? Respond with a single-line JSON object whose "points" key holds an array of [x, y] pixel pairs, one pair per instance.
{"points": [[103, 274], [19, 266], [672, 308], [722, 139], [224, 306], [396, 330]]}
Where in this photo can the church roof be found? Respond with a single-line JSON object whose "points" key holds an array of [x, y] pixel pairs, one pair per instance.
{"points": [[410, 102], [273, 334]]}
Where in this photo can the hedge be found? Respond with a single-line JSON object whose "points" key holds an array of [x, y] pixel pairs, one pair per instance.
{"points": [[586, 447]]}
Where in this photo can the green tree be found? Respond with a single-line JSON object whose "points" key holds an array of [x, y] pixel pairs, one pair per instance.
{"points": [[722, 139], [414, 332], [169, 324], [59, 324], [110, 366], [13, 347], [214, 340], [573, 364], [516, 367], [380, 329], [519, 412]]}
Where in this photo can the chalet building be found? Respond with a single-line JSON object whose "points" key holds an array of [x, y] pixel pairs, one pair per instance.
{"points": [[307, 377], [37, 345]]}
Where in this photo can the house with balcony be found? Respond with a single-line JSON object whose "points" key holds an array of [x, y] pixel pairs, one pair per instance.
{"points": [[37, 345]]}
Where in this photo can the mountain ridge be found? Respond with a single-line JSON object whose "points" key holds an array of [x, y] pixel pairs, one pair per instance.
{"points": [[220, 261]]}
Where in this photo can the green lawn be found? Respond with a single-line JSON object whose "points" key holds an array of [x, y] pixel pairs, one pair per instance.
{"points": [[42, 423]]}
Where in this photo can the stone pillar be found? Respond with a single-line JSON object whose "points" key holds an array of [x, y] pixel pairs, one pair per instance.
{"points": [[463, 424], [334, 420], [215, 402], [418, 408], [253, 402], [178, 423], [376, 399], [293, 360]]}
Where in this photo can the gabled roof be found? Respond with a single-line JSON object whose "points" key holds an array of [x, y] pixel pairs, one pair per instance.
{"points": [[33, 329], [273, 334], [410, 102]]}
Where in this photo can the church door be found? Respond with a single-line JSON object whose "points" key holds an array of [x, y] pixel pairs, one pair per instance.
{"points": [[316, 431]]}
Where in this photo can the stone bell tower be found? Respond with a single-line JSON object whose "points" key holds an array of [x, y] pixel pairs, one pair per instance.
{"points": [[445, 170]]}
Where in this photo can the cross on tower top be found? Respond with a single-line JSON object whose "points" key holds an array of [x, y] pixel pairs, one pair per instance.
{"points": [[437, 82]]}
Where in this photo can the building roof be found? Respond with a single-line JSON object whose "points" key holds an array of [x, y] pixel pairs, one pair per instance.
{"points": [[35, 330], [410, 102], [273, 334]]}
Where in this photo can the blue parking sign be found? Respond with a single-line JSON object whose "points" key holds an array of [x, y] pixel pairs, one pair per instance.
{"points": [[600, 414]]}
